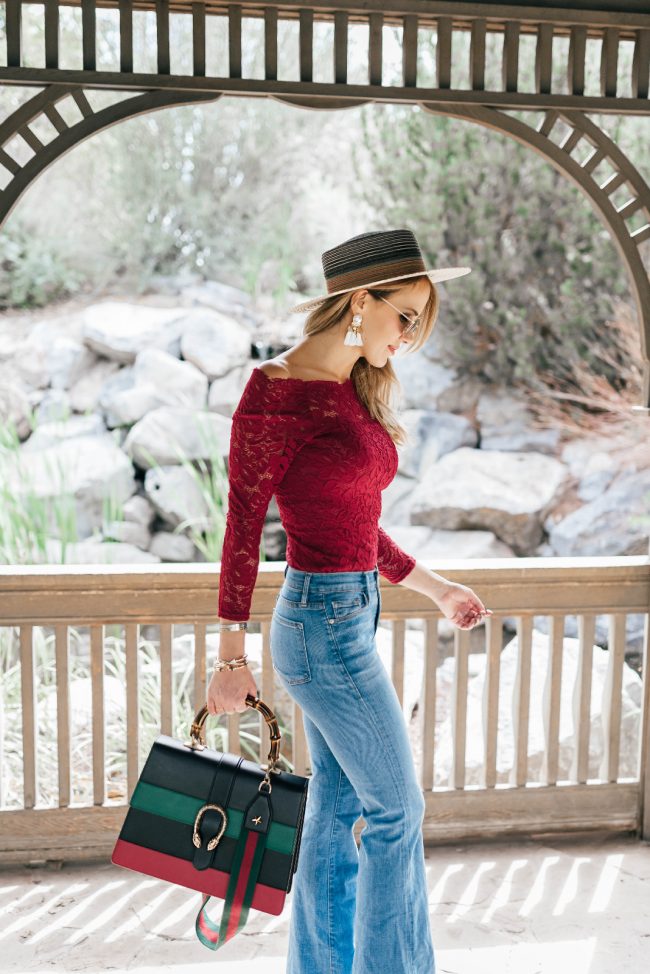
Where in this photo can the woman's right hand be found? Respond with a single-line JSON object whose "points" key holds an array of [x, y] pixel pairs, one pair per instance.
{"points": [[228, 689]]}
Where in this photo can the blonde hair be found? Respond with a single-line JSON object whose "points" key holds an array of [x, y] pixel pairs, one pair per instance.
{"points": [[377, 387]]}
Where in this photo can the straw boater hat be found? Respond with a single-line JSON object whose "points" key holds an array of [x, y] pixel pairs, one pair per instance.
{"points": [[375, 258]]}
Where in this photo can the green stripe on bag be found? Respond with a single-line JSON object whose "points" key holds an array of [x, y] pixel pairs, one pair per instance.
{"points": [[183, 808]]}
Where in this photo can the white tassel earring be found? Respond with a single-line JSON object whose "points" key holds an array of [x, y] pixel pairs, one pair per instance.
{"points": [[353, 334]]}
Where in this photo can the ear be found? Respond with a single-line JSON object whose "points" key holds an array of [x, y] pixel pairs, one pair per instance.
{"points": [[360, 301]]}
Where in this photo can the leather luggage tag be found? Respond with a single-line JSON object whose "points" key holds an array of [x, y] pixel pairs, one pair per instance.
{"points": [[258, 814]]}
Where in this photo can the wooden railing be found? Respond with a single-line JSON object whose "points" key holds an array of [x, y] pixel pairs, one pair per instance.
{"points": [[77, 606]]}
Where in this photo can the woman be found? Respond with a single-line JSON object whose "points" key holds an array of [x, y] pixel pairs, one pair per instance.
{"points": [[314, 426]]}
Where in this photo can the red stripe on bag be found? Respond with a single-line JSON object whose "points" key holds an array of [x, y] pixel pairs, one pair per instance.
{"points": [[267, 899], [242, 883]]}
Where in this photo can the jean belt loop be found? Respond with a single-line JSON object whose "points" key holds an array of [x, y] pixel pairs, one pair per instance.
{"points": [[305, 588], [286, 569]]}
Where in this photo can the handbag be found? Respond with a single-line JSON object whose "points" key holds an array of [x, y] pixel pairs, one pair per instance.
{"points": [[217, 823]]}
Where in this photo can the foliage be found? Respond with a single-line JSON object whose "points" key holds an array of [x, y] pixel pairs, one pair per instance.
{"points": [[545, 274]]}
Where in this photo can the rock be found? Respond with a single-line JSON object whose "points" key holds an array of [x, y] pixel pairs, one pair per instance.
{"points": [[117, 382], [88, 469], [396, 500], [92, 552], [428, 384], [505, 492], [506, 424], [577, 453], [53, 407], [174, 284], [172, 547], [48, 434], [615, 523], [127, 406], [226, 391], [129, 532], [221, 297], [176, 496], [158, 379], [119, 330], [597, 474], [84, 394], [168, 435], [68, 360], [428, 544], [432, 435], [30, 364], [536, 743], [15, 409], [215, 342], [138, 510]]}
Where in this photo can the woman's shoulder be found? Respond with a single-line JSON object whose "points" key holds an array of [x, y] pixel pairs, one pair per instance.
{"points": [[274, 369], [272, 390]]}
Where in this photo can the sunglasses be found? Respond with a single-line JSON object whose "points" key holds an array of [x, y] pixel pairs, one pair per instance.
{"points": [[409, 325]]}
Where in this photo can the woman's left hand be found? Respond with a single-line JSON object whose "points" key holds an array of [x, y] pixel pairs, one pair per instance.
{"points": [[462, 606]]}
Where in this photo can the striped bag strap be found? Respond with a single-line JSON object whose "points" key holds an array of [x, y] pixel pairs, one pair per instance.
{"points": [[239, 895]]}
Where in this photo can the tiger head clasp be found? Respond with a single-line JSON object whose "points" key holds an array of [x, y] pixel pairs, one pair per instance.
{"points": [[214, 841]]}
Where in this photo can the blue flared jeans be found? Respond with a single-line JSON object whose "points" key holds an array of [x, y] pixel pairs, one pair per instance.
{"points": [[354, 910]]}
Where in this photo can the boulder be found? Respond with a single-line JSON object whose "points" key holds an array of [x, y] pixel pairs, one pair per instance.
{"points": [[221, 297], [508, 493], [226, 391], [48, 434], [30, 364], [54, 406], [128, 532], [617, 522], [68, 360], [176, 496], [428, 384], [168, 435], [89, 469], [94, 552], [172, 547], [506, 424], [117, 382], [432, 434], [85, 392], [156, 379], [15, 409], [215, 342], [119, 329], [138, 510], [437, 545]]}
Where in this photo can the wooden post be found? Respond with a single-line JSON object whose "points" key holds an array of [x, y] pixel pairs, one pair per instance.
{"points": [[644, 750]]}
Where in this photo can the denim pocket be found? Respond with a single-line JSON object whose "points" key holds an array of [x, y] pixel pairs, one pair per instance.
{"points": [[346, 607], [289, 650]]}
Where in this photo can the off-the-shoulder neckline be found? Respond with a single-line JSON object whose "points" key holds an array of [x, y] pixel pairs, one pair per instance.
{"points": [[327, 382]]}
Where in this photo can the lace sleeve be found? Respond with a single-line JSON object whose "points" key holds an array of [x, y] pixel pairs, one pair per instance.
{"points": [[393, 563], [268, 428]]}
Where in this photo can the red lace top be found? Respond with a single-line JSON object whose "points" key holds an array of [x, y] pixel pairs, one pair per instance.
{"points": [[315, 446]]}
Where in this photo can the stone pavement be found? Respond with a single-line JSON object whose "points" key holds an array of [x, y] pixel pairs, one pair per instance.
{"points": [[548, 906]]}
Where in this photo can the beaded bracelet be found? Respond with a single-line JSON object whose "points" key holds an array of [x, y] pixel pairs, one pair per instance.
{"points": [[231, 625], [230, 664]]}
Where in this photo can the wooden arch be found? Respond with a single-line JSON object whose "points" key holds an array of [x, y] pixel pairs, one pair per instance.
{"points": [[478, 81]]}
